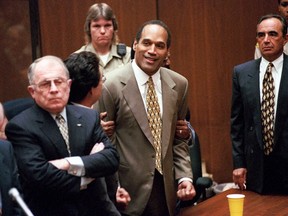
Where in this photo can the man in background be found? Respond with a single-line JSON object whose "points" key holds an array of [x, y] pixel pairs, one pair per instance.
{"points": [[86, 89]]}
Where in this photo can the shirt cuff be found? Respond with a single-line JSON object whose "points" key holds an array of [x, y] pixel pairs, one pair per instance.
{"points": [[185, 179], [84, 182], [76, 167]]}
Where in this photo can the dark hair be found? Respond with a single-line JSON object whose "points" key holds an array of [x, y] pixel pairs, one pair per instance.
{"points": [[84, 71], [276, 16], [97, 11], [155, 22]]}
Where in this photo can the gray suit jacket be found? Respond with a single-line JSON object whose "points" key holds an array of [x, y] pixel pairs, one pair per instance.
{"points": [[246, 129], [122, 100]]}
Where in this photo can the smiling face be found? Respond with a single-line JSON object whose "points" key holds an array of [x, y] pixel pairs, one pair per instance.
{"points": [[270, 38], [51, 86], [151, 50]]}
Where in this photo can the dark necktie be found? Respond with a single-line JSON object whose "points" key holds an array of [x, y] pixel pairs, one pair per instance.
{"points": [[267, 110], [64, 130], [155, 122]]}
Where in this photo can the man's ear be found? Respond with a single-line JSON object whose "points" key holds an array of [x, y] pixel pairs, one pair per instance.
{"points": [[31, 90], [286, 39], [135, 45]]}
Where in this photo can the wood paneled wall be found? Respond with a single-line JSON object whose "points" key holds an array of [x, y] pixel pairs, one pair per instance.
{"points": [[209, 37], [62, 22]]}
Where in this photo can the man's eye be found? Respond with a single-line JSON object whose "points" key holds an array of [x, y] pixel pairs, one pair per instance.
{"points": [[273, 34], [44, 84], [58, 82], [161, 46]]}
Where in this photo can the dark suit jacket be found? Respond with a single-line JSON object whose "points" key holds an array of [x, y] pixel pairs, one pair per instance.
{"points": [[8, 179], [133, 138], [246, 129], [50, 191]]}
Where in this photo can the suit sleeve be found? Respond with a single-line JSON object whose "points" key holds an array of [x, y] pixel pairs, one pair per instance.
{"points": [[102, 163], [237, 123], [33, 164], [182, 161]]}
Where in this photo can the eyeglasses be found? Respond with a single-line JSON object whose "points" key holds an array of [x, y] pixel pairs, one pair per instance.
{"points": [[46, 84], [284, 4]]}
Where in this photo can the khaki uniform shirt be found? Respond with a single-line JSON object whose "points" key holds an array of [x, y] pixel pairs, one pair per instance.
{"points": [[114, 59]]}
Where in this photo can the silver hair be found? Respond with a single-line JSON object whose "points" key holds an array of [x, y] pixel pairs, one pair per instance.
{"points": [[31, 70]]}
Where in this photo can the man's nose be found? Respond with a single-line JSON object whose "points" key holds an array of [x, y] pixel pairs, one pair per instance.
{"points": [[53, 87]]}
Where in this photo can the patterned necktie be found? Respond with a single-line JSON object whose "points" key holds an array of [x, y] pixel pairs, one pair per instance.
{"points": [[267, 110], [155, 122], [64, 131]]}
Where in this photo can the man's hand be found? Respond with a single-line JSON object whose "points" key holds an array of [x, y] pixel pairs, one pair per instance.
{"points": [[186, 191], [108, 126], [122, 198], [182, 129], [239, 177], [62, 164]]}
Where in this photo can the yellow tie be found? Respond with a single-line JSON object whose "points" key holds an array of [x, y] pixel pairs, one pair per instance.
{"points": [[267, 110], [155, 122]]}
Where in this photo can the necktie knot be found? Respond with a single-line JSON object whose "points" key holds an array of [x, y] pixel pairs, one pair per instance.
{"points": [[269, 67], [60, 118]]}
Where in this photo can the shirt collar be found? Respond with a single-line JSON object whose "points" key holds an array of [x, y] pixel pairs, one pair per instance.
{"points": [[142, 77], [277, 63], [63, 113]]}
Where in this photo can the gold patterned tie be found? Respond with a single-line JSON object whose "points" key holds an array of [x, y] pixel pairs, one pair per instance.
{"points": [[267, 110], [155, 122], [64, 130]]}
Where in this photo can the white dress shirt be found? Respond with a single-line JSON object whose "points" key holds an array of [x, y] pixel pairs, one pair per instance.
{"points": [[276, 73]]}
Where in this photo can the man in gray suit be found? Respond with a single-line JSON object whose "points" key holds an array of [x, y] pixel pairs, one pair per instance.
{"points": [[60, 169], [153, 189], [262, 167]]}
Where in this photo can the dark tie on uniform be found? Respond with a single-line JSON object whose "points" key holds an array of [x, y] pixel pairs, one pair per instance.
{"points": [[267, 110], [155, 122], [64, 130]]}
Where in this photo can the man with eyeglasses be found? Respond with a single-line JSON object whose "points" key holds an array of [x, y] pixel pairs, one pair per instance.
{"points": [[57, 148], [283, 11]]}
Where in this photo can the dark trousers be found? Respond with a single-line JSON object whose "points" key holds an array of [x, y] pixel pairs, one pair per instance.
{"points": [[274, 177], [156, 205]]}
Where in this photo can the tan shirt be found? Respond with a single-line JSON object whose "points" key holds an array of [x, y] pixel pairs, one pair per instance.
{"points": [[114, 59]]}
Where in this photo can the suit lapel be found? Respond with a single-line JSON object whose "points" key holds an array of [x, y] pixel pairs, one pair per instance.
{"points": [[50, 129], [253, 96], [76, 128], [134, 100], [169, 97]]}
